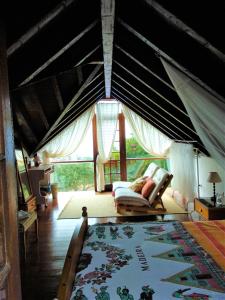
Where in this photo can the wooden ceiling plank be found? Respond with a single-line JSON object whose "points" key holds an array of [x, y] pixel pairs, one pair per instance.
{"points": [[57, 93], [88, 55], [55, 12], [68, 117], [155, 111], [151, 88], [76, 96], [161, 53], [172, 19], [59, 53], [74, 118], [145, 68], [156, 104], [22, 121], [108, 16]]}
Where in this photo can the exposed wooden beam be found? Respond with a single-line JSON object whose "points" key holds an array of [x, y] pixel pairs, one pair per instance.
{"points": [[22, 120], [156, 104], [36, 105], [39, 26], [143, 112], [57, 93], [58, 130], [79, 74], [150, 107], [88, 55], [145, 68], [82, 102], [76, 96], [59, 53], [161, 53], [151, 88], [173, 20], [108, 16]]}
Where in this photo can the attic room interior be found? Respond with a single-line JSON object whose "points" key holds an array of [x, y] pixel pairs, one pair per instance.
{"points": [[70, 68]]}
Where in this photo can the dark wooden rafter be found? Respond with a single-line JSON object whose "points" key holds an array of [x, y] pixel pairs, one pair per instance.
{"points": [[151, 88], [143, 112], [39, 26], [96, 77], [80, 104], [156, 112], [87, 56], [145, 68], [162, 54], [58, 54], [85, 96], [74, 99], [156, 104], [173, 20], [79, 74], [108, 16], [36, 105], [22, 120], [57, 92], [75, 116]]}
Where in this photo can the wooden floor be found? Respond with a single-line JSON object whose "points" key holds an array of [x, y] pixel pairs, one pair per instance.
{"points": [[45, 258]]}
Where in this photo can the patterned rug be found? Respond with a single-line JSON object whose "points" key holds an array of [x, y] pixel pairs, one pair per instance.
{"points": [[151, 260]]}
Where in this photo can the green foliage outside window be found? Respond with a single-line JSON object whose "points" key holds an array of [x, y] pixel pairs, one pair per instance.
{"points": [[77, 177]]}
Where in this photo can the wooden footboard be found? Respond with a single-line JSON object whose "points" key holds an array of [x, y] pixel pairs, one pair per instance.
{"points": [[72, 258]]}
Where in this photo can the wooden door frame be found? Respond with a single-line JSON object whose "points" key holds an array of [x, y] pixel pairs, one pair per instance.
{"points": [[8, 184]]}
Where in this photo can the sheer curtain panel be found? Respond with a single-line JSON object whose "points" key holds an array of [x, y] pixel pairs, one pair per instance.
{"points": [[206, 112], [151, 139], [107, 117], [67, 141]]}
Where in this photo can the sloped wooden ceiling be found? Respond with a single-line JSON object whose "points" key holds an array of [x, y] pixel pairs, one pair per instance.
{"points": [[65, 56]]}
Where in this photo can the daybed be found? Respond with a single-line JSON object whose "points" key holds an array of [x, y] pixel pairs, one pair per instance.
{"points": [[138, 260], [149, 196]]}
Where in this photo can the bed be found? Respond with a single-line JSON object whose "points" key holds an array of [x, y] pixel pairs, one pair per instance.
{"points": [[146, 260]]}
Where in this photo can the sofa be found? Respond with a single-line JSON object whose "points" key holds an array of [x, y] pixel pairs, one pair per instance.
{"points": [[145, 196]]}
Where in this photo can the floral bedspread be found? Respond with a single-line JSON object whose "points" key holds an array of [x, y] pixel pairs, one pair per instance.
{"points": [[151, 260]]}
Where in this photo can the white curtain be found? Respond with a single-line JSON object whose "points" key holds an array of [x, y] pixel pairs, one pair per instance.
{"points": [[67, 141], [107, 117], [182, 167], [206, 112], [151, 139]]}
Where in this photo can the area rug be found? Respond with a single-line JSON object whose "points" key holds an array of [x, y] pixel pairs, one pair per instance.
{"points": [[102, 206], [151, 260]]}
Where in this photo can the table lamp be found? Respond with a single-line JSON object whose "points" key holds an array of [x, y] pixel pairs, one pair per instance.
{"points": [[214, 178]]}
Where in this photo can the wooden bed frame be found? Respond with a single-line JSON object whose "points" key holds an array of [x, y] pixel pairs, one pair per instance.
{"points": [[72, 258]]}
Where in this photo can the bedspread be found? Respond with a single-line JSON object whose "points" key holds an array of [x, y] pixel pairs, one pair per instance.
{"points": [[151, 260]]}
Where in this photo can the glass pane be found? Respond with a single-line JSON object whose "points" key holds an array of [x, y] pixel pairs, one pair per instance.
{"points": [[74, 177]]}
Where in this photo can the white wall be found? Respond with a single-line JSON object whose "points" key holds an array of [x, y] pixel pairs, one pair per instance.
{"points": [[207, 165]]}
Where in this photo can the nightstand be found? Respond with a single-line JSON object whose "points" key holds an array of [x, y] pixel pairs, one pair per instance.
{"points": [[207, 211]]}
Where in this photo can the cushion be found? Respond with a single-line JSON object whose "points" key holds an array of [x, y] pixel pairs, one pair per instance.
{"points": [[138, 184], [148, 187], [150, 171], [126, 196], [118, 184]]}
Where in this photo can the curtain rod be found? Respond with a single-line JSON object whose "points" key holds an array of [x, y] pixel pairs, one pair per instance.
{"points": [[185, 141]]}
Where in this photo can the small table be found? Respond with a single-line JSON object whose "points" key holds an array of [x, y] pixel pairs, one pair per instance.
{"points": [[25, 224], [207, 210]]}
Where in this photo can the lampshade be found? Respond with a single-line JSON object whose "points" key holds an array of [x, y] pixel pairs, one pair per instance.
{"points": [[214, 177]]}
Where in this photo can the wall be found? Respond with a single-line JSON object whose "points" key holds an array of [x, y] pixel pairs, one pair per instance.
{"points": [[207, 165]]}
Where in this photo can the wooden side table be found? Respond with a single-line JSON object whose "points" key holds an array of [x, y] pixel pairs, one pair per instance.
{"points": [[25, 224], [206, 209]]}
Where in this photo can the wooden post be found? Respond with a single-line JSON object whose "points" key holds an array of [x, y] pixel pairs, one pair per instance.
{"points": [[8, 193]]}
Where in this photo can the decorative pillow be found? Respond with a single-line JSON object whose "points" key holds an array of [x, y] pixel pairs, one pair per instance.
{"points": [[138, 184], [148, 187]]}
